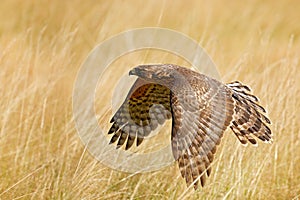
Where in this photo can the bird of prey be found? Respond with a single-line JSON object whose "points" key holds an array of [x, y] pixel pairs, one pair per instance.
{"points": [[201, 108]]}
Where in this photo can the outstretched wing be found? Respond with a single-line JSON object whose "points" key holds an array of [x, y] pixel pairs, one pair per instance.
{"points": [[200, 117], [199, 123], [146, 105], [249, 117]]}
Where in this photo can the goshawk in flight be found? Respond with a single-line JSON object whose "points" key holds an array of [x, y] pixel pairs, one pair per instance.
{"points": [[201, 108]]}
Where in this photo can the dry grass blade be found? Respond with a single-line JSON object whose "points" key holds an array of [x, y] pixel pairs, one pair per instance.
{"points": [[42, 46]]}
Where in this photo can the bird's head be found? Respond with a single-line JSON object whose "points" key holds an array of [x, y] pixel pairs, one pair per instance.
{"points": [[164, 74]]}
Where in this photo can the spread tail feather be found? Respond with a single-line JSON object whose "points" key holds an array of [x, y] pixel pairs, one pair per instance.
{"points": [[249, 120]]}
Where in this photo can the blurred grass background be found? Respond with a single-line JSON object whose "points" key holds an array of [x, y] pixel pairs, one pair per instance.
{"points": [[42, 45]]}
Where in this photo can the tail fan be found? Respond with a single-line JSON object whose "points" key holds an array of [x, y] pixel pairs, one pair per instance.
{"points": [[249, 118]]}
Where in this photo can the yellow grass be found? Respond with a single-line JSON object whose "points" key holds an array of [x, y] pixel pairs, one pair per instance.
{"points": [[42, 45]]}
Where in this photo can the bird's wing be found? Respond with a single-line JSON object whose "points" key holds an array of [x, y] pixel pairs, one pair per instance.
{"points": [[146, 105], [249, 117], [200, 117]]}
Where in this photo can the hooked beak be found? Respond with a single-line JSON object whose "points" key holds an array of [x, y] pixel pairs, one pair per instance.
{"points": [[133, 72], [136, 71]]}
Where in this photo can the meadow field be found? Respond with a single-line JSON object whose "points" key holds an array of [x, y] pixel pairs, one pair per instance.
{"points": [[42, 46]]}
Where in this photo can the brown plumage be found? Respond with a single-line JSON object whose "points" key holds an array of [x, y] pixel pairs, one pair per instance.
{"points": [[201, 109]]}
